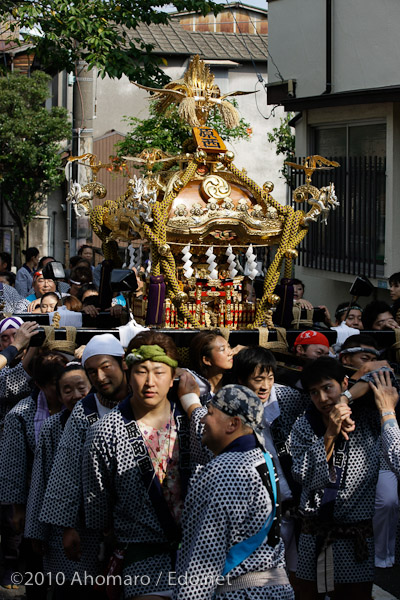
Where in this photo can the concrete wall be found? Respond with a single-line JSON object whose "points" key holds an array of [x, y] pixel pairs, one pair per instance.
{"points": [[115, 99], [324, 288], [365, 44], [296, 41], [257, 155]]}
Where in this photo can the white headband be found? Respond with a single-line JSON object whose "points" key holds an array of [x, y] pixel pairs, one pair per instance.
{"points": [[102, 344]]}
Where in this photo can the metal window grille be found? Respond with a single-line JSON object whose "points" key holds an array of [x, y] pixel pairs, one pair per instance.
{"points": [[353, 241]]}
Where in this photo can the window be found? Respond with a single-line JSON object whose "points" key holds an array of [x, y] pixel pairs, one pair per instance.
{"points": [[350, 140], [354, 240]]}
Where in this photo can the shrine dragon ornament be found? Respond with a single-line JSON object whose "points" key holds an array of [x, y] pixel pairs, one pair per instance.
{"points": [[206, 202]]}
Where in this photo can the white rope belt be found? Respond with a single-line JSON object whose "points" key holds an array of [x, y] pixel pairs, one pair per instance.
{"points": [[273, 576]]}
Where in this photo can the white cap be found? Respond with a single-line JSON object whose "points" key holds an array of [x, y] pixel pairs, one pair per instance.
{"points": [[102, 344]]}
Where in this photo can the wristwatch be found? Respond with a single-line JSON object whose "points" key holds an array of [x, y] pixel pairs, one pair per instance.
{"points": [[348, 395]]}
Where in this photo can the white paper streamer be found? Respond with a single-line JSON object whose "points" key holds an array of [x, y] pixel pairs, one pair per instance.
{"points": [[187, 263], [133, 257], [231, 262], [251, 263], [211, 263], [148, 268]]}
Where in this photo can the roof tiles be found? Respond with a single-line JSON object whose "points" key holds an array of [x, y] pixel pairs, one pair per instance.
{"points": [[173, 39]]}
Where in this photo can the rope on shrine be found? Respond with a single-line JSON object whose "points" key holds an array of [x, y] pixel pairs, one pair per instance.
{"points": [[280, 344], [225, 332], [68, 345], [162, 259], [292, 234], [183, 355], [297, 320]]}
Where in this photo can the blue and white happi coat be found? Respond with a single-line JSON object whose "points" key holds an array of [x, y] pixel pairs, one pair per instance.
{"points": [[54, 559], [17, 451], [391, 447], [227, 503], [15, 384], [62, 503], [356, 493], [114, 466]]}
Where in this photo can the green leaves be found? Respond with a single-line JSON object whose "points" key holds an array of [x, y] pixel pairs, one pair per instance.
{"points": [[98, 31], [169, 132], [158, 131], [30, 166], [242, 131], [284, 139]]}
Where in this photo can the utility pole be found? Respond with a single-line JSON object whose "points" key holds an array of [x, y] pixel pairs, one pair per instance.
{"points": [[82, 142]]}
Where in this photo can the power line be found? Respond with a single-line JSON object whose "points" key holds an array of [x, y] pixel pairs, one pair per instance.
{"points": [[278, 73], [272, 111], [243, 40]]}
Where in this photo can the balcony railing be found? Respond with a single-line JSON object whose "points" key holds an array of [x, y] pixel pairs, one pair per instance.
{"points": [[353, 241]]}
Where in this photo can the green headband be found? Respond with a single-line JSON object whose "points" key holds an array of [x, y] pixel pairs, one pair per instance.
{"points": [[154, 353]]}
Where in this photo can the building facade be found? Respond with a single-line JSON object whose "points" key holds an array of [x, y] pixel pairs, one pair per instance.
{"points": [[336, 68]]}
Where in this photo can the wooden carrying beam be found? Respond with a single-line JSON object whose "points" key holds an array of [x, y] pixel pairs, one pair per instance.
{"points": [[183, 337]]}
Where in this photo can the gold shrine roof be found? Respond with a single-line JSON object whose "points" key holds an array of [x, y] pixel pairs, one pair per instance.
{"points": [[218, 211]]}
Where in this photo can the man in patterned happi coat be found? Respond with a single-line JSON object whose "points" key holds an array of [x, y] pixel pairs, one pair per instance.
{"points": [[15, 384], [13, 301], [15, 381], [255, 368], [231, 547], [22, 426], [136, 468], [386, 400], [335, 451], [68, 577], [62, 505]]}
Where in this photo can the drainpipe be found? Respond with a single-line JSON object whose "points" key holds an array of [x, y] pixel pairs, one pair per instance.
{"points": [[328, 50]]}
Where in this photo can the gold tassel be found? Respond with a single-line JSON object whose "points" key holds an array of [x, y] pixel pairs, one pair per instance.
{"points": [[187, 112], [229, 114]]}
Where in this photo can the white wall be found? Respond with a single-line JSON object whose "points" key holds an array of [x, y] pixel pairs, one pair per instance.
{"points": [[296, 42], [258, 155], [365, 44], [114, 99], [330, 289]]}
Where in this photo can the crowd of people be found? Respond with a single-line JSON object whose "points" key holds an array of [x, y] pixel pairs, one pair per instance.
{"points": [[125, 474], [32, 290]]}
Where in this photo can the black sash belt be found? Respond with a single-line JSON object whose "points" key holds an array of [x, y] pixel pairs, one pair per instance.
{"points": [[327, 532]]}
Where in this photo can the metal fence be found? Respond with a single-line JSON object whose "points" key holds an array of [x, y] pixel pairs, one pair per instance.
{"points": [[353, 241]]}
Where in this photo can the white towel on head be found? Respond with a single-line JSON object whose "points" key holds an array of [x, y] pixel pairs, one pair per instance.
{"points": [[129, 331], [106, 343], [10, 323]]}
